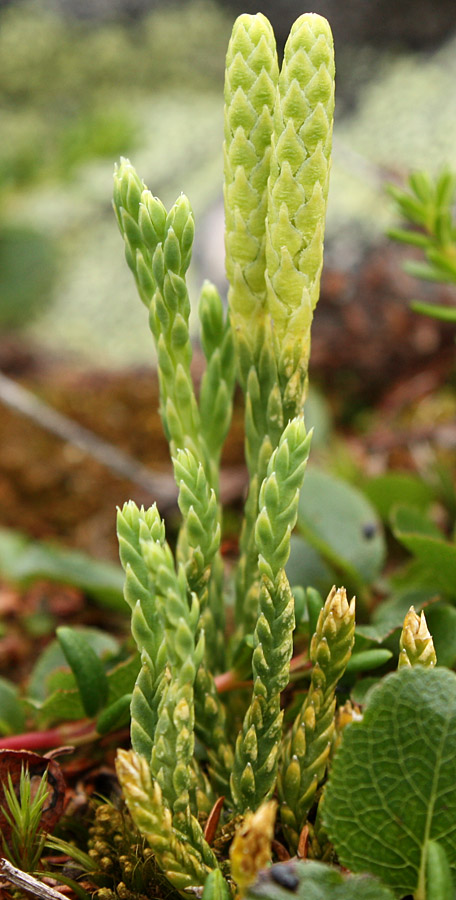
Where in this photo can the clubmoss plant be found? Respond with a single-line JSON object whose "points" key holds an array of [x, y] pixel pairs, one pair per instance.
{"points": [[428, 206], [278, 128]]}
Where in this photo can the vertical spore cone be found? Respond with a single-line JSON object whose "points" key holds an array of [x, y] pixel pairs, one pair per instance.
{"points": [[298, 187], [250, 94]]}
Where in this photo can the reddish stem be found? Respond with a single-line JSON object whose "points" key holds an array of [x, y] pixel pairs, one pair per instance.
{"points": [[227, 681], [80, 732], [301, 661]]}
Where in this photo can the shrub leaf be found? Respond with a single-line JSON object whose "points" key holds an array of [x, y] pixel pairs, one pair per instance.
{"points": [[314, 881], [392, 788]]}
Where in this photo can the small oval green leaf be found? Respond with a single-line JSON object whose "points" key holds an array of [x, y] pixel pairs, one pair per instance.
{"points": [[114, 716], [12, 717], [87, 669], [368, 659], [338, 522], [215, 887], [439, 883], [422, 538]]}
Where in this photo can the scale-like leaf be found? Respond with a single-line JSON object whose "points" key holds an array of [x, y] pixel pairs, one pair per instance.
{"points": [[314, 881], [392, 788]]}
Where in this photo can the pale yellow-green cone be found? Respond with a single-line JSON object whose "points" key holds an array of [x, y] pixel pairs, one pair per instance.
{"points": [[415, 644], [306, 751], [184, 864], [273, 355], [250, 850], [250, 95], [297, 194]]}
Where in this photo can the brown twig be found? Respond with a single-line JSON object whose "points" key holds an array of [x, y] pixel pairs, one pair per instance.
{"points": [[27, 883], [19, 398], [228, 681], [162, 487]]}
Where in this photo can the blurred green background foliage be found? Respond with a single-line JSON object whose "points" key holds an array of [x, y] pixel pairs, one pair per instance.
{"points": [[146, 81], [74, 96]]}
